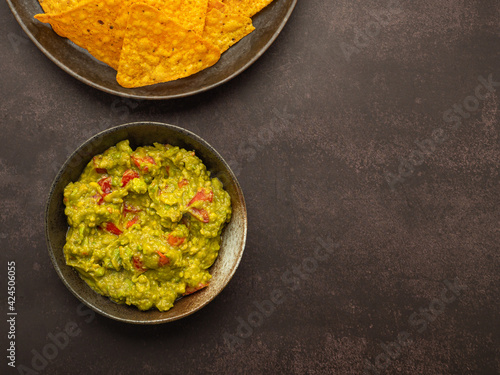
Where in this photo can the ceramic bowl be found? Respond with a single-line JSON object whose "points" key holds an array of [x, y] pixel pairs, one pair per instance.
{"points": [[142, 134]]}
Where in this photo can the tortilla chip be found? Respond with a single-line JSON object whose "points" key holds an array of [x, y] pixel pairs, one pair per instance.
{"points": [[92, 25], [190, 14], [157, 49], [246, 7], [224, 30], [214, 4], [58, 6]]}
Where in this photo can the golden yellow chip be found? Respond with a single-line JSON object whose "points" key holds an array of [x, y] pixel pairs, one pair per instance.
{"points": [[224, 30], [246, 7], [214, 4], [157, 49], [93, 26], [58, 6], [190, 14]]}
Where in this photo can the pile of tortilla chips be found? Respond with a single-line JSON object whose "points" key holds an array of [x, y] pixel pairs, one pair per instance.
{"points": [[153, 41]]}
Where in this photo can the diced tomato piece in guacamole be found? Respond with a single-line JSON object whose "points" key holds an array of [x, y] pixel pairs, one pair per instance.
{"points": [[143, 163], [128, 176], [112, 228], [132, 222], [202, 195], [175, 241], [105, 184], [96, 166], [191, 290], [182, 183], [201, 214], [136, 261], [163, 259]]}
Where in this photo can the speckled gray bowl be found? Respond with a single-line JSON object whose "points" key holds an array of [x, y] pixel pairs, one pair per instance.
{"points": [[81, 65], [141, 134]]}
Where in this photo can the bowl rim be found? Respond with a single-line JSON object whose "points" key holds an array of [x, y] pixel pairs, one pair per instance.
{"points": [[90, 83], [57, 267]]}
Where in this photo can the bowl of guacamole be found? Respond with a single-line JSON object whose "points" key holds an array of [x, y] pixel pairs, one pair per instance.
{"points": [[146, 223]]}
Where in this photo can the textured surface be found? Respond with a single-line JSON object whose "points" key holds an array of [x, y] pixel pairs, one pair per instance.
{"points": [[311, 136]]}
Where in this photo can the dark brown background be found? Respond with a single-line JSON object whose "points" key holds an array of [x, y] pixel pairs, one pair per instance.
{"points": [[313, 136]]}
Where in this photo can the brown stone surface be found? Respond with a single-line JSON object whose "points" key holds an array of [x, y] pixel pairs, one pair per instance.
{"points": [[312, 131]]}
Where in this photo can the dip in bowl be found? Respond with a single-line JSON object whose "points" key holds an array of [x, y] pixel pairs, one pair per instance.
{"points": [[231, 244]]}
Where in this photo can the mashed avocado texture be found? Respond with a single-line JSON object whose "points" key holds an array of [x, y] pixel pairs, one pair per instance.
{"points": [[145, 225]]}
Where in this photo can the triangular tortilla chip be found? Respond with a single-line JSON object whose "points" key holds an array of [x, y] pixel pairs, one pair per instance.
{"points": [[190, 14], [214, 4], [80, 21], [246, 7], [58, 6], [157, 49], [224, 30], [94, 26]]}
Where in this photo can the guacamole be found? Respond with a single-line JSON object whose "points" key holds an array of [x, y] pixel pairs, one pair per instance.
{"points": [[145, 225]]}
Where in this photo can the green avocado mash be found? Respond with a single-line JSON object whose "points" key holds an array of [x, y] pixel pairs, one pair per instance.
{"points": [[145, 225]]}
